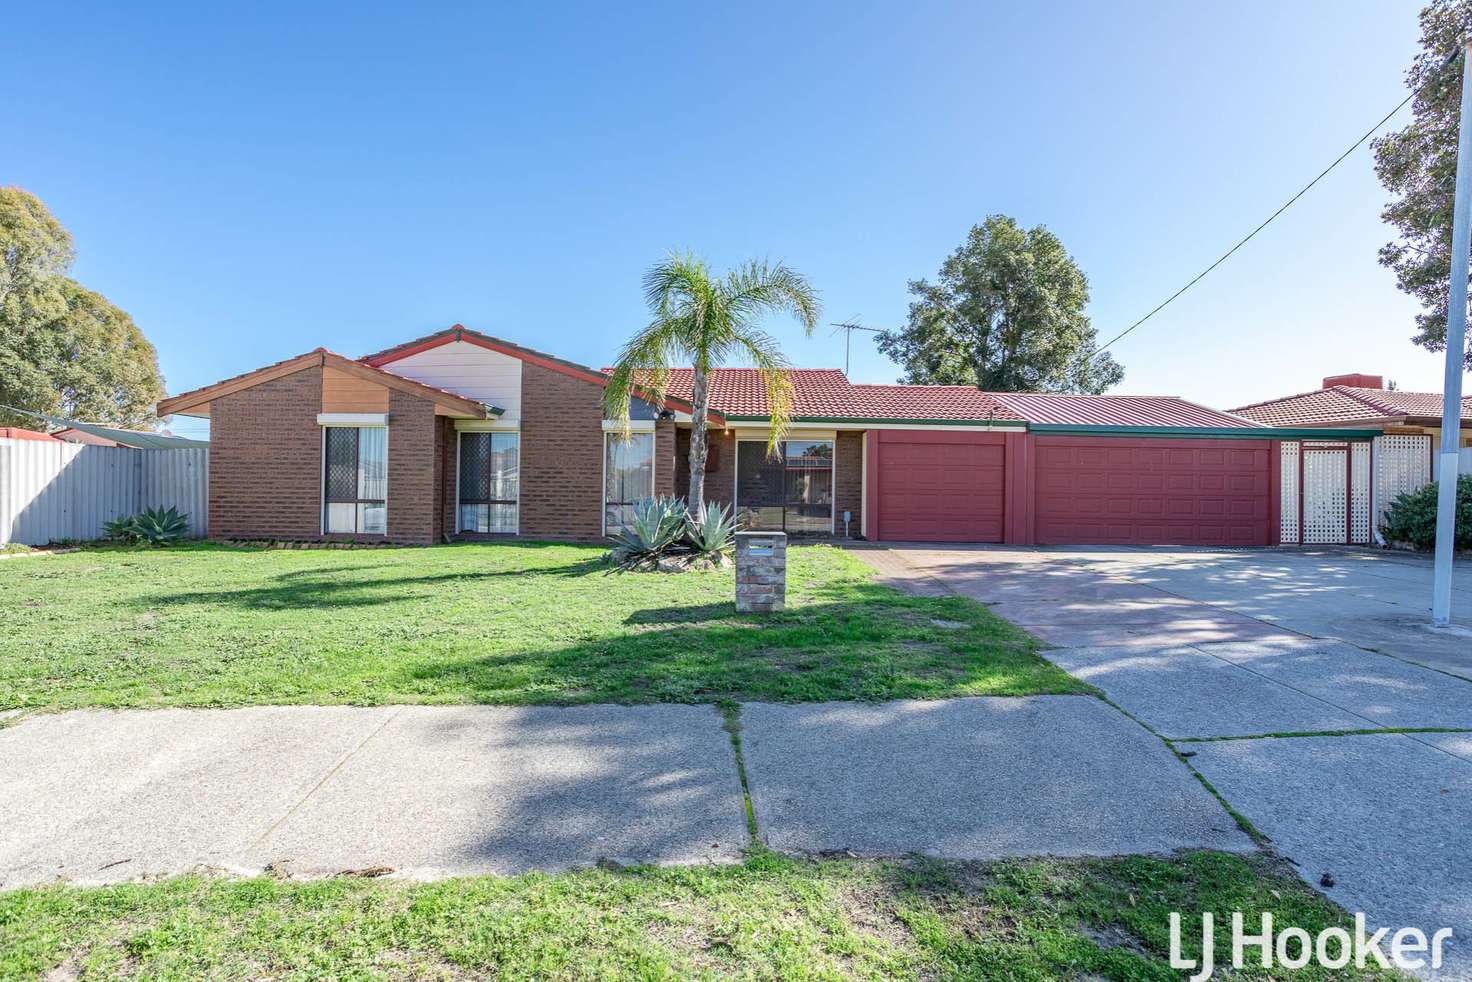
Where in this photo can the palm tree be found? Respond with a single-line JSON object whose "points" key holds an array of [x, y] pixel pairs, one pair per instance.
{"points": [[703, 321]]}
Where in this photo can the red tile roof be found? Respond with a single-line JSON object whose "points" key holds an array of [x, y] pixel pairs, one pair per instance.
{"points": [[1346, 404], [1109, 410], [826, 393]]}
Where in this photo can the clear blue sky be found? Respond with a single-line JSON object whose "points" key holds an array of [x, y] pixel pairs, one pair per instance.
{"points": [[252, 183]]}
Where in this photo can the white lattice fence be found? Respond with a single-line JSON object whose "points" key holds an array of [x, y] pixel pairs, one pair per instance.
{"points": [[1359, 493], [1402, 464], [1288, 491]]}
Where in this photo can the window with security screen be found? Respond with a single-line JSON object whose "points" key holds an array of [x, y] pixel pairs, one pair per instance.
{"points": [[490, 482], [791, 490], [355, 479]]}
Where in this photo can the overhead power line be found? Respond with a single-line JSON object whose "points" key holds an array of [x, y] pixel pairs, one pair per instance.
{"points": [[1284, 207]]}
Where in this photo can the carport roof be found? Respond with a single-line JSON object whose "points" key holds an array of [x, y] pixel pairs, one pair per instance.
{"points": [[1112, 410]]}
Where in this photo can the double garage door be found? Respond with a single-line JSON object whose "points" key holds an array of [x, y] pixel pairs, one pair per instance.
{"points": [[1081, 490]]}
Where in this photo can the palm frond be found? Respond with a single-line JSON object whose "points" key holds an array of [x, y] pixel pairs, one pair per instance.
{"points": [[679, 285], [762, 350], [758, 288], [642, 367]]}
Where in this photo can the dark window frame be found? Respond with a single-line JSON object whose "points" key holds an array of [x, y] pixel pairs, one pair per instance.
{"points": [[485, 479], [329, 499], [782, 463]]}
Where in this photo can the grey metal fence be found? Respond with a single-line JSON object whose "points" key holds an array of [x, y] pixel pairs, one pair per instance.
{"points": [[54, 491]]}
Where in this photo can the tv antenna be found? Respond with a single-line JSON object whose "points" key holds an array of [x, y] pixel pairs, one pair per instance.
{"points": [[848, 328]]}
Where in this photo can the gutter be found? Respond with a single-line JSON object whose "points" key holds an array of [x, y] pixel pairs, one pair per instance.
{"points": [[972, 423], [1207, 432]]}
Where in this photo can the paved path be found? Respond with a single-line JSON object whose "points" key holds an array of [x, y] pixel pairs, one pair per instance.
{"points": [[426, 790], [973, 779], [1202, 645], [430, 791]]}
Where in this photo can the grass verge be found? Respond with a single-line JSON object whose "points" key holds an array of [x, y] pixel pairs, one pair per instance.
{"points": [[770, 917]]}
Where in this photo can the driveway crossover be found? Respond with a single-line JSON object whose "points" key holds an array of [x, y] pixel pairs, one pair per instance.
{"points": [[1235, 657]]}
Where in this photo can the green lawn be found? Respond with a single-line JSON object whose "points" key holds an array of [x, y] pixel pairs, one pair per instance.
{"points": [[767, 918], [491, 623]]}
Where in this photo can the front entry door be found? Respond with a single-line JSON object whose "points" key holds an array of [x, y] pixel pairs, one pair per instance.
{"points": [[1326, 495]]}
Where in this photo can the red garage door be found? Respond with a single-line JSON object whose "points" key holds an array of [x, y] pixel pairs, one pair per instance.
{"points": [[1116, 490], [940, 487]]}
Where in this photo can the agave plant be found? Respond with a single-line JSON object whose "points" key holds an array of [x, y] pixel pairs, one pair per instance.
{"points": [[656, 527], [119, 530], [711, 533], [155, 526]]}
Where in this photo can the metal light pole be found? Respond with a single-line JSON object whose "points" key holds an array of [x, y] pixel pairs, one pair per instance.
{"points": [[1456, 352]]}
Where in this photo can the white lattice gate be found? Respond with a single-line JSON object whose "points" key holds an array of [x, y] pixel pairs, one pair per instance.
{"points": [[1325, 493]]}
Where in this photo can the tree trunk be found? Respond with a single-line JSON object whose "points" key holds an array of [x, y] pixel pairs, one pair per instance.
{"points": [[700, 402]]}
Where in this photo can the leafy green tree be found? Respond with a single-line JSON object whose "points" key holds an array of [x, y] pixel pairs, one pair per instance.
{"points": [[1418, 166], [1006, 314], [64, 350], [704, 321]]}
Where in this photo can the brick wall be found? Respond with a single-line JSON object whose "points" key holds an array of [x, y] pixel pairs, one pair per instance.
{"points": [[561, 456], [449, 474], [848, 484], [266, 460], [719, 483], [266, 464], [414, 485]]}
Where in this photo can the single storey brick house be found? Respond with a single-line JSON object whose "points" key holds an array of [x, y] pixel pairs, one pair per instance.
{"points": [[463, 435]]}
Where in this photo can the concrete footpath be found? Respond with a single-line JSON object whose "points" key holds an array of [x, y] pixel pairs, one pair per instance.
{"points": [[92, 797]]}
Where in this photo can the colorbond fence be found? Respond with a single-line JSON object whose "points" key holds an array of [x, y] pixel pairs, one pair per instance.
{"points": [[54, 491]]}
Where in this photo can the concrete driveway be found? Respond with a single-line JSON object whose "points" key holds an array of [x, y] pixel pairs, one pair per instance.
{"points": [[1304, 685]]}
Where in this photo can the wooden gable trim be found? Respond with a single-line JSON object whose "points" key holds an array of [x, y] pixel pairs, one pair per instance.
{"points": [[446, 403], [200, 398]]}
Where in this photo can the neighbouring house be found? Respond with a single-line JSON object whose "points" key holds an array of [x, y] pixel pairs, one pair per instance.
{"points": [[21, 433], [464, 435], [101, 435], [1344, 484]]}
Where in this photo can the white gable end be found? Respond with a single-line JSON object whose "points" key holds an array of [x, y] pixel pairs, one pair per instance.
{"points": [[468, 370]]}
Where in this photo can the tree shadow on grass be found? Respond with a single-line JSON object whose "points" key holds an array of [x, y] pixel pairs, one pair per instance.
{"points": [[710, 653], [344, 586]]}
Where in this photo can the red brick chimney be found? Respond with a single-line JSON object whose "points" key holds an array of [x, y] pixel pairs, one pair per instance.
{"points": [[1356, 381]]}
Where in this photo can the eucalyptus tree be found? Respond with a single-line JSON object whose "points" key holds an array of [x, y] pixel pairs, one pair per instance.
{"points": [[706, 321]]}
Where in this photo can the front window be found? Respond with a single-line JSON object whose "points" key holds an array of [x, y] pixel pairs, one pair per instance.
{"points": [[355, 479], [628, 477], [490, 482], [790, 492]]}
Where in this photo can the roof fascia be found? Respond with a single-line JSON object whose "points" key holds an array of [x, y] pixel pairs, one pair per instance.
{"points": [[1207, 432]]}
